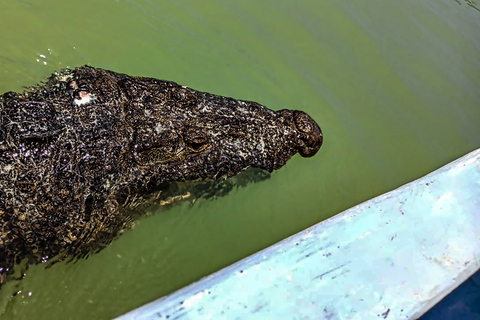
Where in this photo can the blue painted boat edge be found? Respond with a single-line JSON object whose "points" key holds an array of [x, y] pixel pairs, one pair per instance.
{"points": [[393, 256]]}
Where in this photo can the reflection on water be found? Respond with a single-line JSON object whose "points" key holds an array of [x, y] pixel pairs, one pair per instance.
{"points": [[470, 4]]}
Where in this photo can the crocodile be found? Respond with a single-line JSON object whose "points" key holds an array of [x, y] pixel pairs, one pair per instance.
{"points": [[84, 149]]}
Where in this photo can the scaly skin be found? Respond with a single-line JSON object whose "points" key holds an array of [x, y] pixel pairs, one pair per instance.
{"points": [[77, 151]]}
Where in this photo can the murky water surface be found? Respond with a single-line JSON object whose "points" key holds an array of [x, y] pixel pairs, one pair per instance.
{"points": [[393, 84]]}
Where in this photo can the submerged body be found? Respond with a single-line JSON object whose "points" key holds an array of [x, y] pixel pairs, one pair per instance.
{"points": [[79, 150]]}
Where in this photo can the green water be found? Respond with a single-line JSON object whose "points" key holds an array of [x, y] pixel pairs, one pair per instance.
{"points": [[395, 86]]}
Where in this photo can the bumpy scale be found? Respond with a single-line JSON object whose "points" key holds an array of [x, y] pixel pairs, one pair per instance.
{"points": [[79, 150]]}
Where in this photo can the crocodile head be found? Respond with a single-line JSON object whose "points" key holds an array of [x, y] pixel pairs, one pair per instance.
{"points": [[202, 136], [89, 142], [179, 134]]}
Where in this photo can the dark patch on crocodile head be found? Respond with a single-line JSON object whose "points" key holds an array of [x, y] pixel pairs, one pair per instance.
{"points": [[79, 149]]}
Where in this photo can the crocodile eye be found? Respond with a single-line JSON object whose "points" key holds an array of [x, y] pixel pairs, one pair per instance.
{"points": [[197, 144]]}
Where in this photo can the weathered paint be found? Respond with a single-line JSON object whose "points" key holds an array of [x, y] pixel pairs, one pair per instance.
{"points": [[392, 257]]}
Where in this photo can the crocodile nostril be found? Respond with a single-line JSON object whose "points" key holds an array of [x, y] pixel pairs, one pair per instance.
{"points": [[303, 122]]}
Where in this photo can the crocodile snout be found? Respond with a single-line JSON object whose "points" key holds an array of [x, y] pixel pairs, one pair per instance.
{"points": [[311, 137]]}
